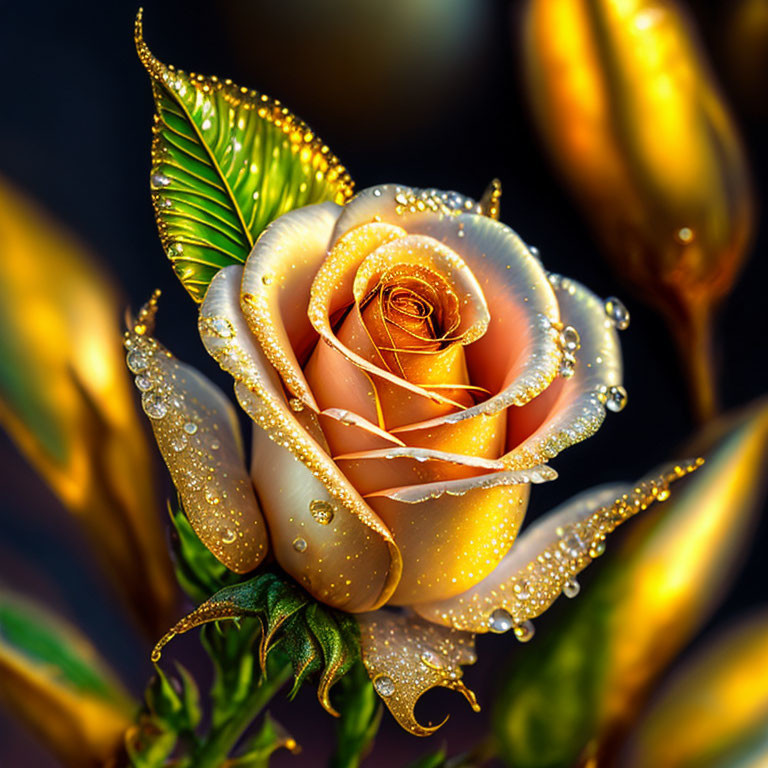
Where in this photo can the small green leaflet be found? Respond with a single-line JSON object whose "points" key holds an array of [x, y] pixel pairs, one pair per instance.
{"points": [[226, 161]]}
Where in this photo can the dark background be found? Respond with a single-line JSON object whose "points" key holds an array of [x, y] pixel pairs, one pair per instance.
{"points": [[422, 92]]}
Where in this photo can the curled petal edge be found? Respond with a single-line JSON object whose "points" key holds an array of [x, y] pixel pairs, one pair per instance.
{"points": [[406, 656], [548, 556], [572, 409]]}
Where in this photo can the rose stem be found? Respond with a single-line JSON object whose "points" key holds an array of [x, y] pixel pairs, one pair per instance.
{"points": [[216, 749]]}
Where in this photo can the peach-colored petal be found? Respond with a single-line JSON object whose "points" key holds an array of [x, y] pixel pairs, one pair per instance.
{"points": [[275, 289], [421, 251], [453, 533], [336, 381], [572, 409], [405, 657], [322, 531], [332, 291], [545, 560], [520, 354], [199, 438]]}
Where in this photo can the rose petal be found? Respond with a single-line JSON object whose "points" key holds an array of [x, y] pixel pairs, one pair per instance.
{"points": [[276, 281], [519, 355], [332, 291], [322, 531], [451, 534], [405, 657], [418, 250], [402, 466], [569, 410], [199, 438], [548, 556]]}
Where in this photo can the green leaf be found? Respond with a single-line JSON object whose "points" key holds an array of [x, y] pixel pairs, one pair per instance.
{"points": [[199, 573], [432, 760], [360, 714], [572, 695], [226, 161], [315, 637], [54, 681]]}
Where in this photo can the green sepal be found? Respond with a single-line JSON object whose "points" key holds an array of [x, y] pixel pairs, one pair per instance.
{"points": [[226, 161], [314, 637]]}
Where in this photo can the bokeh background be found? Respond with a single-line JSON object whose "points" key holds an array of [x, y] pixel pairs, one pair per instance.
{"points": [[423, 92]]}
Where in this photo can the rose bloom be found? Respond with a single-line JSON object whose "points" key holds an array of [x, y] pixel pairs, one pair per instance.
{"points": [[410, 367]]}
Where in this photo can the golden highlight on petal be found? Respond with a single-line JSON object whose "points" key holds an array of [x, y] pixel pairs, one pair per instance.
{"points": [[333, 291], [547, 558], [199, 438], [406, 657], [450, 541], [520, 354], [351, 563]]}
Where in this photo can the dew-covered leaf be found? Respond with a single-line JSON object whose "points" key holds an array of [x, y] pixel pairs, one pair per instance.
{"points": [[226, 161]]}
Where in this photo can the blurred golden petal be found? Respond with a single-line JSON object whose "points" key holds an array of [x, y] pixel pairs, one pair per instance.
{"points": [[630, 112], [650, 598], [714, 712], [53, 680], [67, 402]]}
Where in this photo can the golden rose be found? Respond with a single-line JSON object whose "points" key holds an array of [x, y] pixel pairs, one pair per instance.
{"points": [[410, 367]]}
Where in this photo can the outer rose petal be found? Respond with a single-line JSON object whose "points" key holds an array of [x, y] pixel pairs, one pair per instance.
{"points": [[199, 437], [548, 556], [519, 355], [276, 282], [452, 534], [406, 657], [569, 410], [322, 531]]}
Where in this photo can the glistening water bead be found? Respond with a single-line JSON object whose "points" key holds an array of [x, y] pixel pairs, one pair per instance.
{"points": [[616, 399], [500, 621], [136, 361], [300, 545], [154, 405], [525, 631], [384, 686], [617, 313], [321, 511], [571, 588]]}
